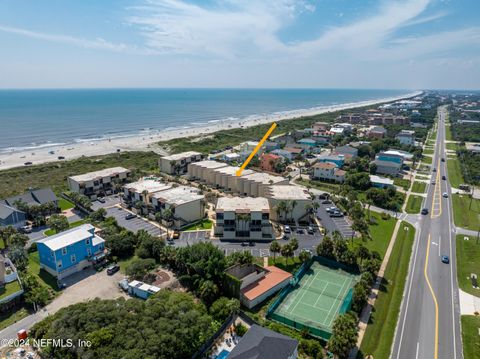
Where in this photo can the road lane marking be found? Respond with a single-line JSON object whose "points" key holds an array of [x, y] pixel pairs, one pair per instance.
{"points": [[434, 299], [439, 245], [416, 355]]}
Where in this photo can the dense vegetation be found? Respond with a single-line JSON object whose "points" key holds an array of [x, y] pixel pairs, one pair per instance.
{"points": [[167, 325], [18, 180]]}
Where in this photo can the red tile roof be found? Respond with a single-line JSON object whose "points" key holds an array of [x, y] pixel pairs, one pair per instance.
{"points": [[274, 277], [325, 165]]}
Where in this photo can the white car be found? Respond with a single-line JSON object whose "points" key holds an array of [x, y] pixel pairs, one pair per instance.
{"points": [[287, 229], [445, 194]]}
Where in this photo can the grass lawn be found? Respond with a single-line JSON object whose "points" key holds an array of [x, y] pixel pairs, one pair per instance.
{"points": [[323, 186], [414, 204], [419, 187], [402, 182], [452, 146], [380, 232], [51, 232], [454, 172], [2, 244], [8, 318], [9, 288], [428, 151], [464, 215], [387, 306], [64, 204], [468, 254], [427, 160], [205, 224], [44, 277], [292, 264], [470, 336], [448, 133]]}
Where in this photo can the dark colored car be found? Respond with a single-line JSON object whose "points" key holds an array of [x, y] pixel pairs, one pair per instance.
{"points": [[244, 244], [130, 216], [28, 163], [443, 159], [326, 202], [434, 170], [300, 231], [444, 178], [445, 259], [61, 157], [425, 211], [114, 268], [251, 244]]}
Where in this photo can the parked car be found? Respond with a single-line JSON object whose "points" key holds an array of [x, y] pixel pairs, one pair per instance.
{"points": [[323, 196], [287, 229], [101, 199], [61, 157], [114, 268], [336, 213], [425, 211], [300, 231], [130, 216], [28, 163], [123, 284], [445, 259], [26, 229], [307, 250], [310, 230], [251, 244], [285, 237], [244, 244], [326, 202]]}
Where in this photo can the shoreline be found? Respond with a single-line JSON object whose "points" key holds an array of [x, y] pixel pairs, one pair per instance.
{"points": [[146, 142]]}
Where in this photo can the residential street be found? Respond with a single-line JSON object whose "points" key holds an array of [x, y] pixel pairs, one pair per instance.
{"points": [[429, 322]]}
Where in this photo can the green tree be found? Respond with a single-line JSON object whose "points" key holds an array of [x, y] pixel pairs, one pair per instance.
{"points": [[18, 256], [344, 335], [325, 248], [304, 256], [223, 307], [139, 267], [99, 215], [208, 291], [287, 252], [275, 248], [58, 223]]}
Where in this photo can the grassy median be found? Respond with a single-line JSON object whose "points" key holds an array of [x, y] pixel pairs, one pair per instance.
{"points": [[383, 319], [470, 336]]}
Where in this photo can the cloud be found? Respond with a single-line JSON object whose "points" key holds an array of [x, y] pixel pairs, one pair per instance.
{"points": [[98, 43]]}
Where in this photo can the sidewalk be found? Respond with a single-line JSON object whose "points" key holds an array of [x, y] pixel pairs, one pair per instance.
{"points": [[367, 311], [469, 304]]}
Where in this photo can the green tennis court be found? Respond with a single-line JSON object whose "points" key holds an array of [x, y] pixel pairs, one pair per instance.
{"points": [[317, 299]]}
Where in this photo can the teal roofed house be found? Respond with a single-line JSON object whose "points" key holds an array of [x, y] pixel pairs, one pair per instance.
{"points": [[308, 142]]}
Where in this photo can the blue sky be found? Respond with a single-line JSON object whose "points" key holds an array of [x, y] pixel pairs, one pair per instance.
{"points": [[414, 44]]}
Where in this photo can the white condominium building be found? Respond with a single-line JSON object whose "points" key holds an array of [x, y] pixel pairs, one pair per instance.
{"points": [[98, 183], [243, 218], [295, 199], [177, 164]]}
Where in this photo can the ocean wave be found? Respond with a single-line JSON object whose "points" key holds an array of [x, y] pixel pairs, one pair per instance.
{"points": [[33, 146]]}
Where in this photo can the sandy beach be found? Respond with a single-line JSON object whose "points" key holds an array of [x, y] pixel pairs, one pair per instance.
{"points": [[148, 142]]}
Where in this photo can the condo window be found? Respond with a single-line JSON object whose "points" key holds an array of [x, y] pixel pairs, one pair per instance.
{"points": [[73, 259], [64, 250], [219, 215], [87, 241], [59, 264], [89, 252]]}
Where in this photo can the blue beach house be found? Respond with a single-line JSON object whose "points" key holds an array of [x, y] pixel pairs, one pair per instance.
{"points": [[70, 251]]}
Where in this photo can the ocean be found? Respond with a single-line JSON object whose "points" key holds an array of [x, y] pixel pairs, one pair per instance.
{"points": [[31, 119]]}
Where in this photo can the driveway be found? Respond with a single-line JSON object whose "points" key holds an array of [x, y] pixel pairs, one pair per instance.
{"points": [[110, 201], [134, 224], [83, 286]]}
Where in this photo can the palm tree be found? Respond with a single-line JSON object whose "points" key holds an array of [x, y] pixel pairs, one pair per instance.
{"points": [[286, 252], [275, 248], [293, 204], [304, 256]]}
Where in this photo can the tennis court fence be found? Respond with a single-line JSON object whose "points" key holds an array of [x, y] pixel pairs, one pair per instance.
{"points": [[315, 329]]}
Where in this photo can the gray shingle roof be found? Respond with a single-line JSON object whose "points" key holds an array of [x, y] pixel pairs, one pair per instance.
{"points": [[6, 211], [262, 343], [34, 197]]}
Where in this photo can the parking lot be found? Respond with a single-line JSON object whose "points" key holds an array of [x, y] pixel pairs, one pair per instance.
{"points": [[332, 224], [134, 224], [110, 201]]}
